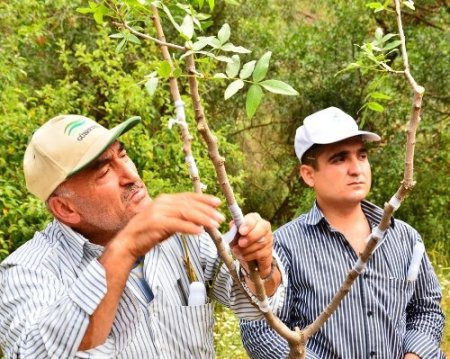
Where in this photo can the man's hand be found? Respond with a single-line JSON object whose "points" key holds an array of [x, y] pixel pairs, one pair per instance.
{"points": [[411, 356], [167, 214], [256, 243]]}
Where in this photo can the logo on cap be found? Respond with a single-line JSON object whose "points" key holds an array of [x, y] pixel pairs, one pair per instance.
{"points": [[73, 125]]}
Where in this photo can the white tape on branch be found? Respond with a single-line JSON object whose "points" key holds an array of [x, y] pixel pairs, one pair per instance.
{"points": [[179, 110], [359, 266], [193, 169], [395, 203], [378, 233], [236, 213]]}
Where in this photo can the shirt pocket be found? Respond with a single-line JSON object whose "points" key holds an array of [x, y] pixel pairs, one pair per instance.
{"points": [[185, 330], [398, 294]]}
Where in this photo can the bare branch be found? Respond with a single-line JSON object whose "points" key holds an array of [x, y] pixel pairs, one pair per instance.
{"points": [[161, 42]]}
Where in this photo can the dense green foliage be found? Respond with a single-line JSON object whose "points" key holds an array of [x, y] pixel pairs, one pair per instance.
{"points": [[55, 60]]}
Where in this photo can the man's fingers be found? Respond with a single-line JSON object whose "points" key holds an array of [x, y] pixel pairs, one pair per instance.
{"points": [[250, 222], [191, 207]]}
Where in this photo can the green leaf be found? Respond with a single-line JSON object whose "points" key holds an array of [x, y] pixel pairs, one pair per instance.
{"points": [[247, 70], [392, 45], [151, 85], [375, 106], [187, 27], [279, 87], [134, 39], [214, 42], [200, 44], [164, 69], [262, 66], [232, 88], [380, 96], [222, 58], [220, 76], [388, 37], [121, 45], [210, 40], [239, 49], [99, 12], [224, 33], [233, 67], [211, 4], [254, 97], [375, 6], [119, 35], [409, 4], [84, 10], [169, 15], [379, 34]]}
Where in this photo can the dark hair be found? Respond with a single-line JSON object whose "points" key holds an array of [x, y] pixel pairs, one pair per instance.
{"points": [[310, 156]]}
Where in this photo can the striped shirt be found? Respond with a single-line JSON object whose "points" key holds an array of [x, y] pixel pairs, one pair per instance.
{"points": [[383, 315], [52, 284]]}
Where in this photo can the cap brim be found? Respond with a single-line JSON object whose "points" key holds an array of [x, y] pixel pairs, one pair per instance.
{"points": [[114, 134], [332, 138]]}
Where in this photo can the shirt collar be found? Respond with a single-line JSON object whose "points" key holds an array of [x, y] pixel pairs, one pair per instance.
{"points": [[373, 214], [75, 243]]}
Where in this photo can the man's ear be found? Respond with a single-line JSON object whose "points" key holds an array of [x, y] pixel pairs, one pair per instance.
{"points": [[63, 210], [307, 174]]}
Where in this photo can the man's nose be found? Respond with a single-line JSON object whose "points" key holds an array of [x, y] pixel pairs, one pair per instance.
{"points": [[355, 166], [128, 172]]}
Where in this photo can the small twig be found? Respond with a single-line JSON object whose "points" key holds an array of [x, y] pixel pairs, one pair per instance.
{"points": [[148, 37]]}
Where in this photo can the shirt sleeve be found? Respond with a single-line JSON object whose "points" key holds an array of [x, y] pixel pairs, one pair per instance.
{"points": [[261, 341], [42, 318], [424, 316]]}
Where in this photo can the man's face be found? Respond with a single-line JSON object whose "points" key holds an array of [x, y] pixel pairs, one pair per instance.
{"points": [[108, 193], [343, 175]]}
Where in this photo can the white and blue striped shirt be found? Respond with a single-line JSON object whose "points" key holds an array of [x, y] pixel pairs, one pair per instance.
{"points": [[383, 316], [52, 284]]}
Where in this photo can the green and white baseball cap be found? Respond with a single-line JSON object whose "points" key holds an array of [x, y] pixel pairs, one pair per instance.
{"points": [[63, 146]]}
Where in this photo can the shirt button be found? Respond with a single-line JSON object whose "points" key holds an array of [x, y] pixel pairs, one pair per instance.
{"points": [[366, 275], [373, 353], [369, 313]]}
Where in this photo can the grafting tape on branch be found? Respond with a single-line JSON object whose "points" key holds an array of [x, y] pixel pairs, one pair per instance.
{"points": [[378, 233], [395, 203], [359, 266], [236, 213], [179, 110], [193, 169], [175, 121]]}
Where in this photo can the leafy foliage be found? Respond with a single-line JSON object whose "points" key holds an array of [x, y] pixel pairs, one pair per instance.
{"points": [[94, 80], [58, 60]]}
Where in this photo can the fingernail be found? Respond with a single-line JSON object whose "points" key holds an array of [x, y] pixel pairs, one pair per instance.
{"points": [[219, 217], [215, 224], [243, 229], [216, 201]]}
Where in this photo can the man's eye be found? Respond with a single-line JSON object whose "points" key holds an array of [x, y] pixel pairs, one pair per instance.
{"points": [[103, 172], [338, 159], [123, 154]]}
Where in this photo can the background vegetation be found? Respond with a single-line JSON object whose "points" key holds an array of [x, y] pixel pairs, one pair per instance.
{"points": [[55, 60]]}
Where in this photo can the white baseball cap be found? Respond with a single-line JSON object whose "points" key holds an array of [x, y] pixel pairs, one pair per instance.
{"points": [[62, 147], [327, 126]]}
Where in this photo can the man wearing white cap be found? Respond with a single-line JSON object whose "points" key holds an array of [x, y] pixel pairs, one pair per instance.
{"points": [[386, 314], [107, 278]]}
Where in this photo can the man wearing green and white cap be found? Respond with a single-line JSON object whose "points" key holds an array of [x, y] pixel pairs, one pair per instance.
{"points": [[393, 308], [106, 278]]}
